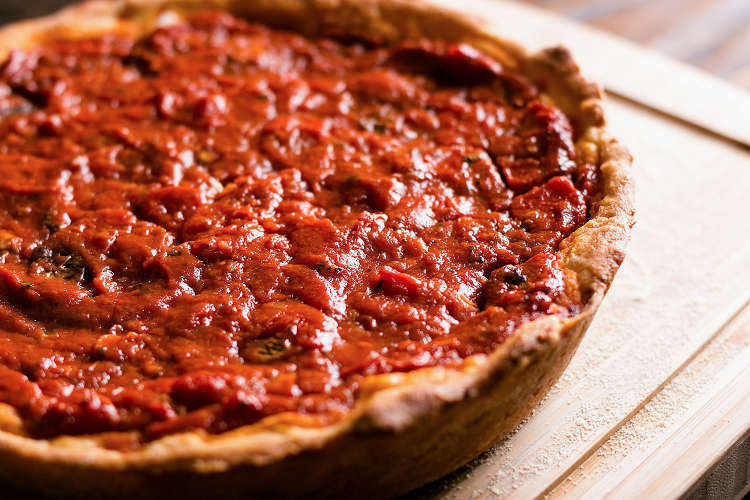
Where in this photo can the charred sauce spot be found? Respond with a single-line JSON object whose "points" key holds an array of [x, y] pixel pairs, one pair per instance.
{"points": [[61, 263]]}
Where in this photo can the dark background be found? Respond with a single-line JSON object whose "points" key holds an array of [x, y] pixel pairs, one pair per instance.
{"points": [[13, 10]]}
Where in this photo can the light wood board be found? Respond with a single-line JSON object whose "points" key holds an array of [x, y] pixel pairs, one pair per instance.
{"points": [[680, 434], [686, 275]]}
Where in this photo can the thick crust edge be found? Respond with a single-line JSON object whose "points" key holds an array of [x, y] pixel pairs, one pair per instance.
{"points": [[413, 427]]}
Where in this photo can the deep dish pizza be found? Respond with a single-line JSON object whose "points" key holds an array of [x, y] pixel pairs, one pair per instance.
{"points": [[288, 249]]}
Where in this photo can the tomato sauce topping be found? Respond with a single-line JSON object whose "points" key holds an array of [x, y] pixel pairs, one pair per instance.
{"points": [[221, 222]]}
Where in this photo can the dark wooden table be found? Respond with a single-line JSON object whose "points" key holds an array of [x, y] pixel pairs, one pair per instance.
{"points": [[711, 34]]}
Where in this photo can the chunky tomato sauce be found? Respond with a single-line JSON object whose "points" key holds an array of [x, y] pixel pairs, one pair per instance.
{"points": [[221, 222]]}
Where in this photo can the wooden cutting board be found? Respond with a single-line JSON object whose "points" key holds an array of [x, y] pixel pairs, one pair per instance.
{"points": [[658, 390]]}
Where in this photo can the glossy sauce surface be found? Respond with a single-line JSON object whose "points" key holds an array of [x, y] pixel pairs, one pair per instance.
{"points": [[221, 222]]}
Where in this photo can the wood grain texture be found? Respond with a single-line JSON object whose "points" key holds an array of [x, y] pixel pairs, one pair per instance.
{"points": [[655, 454]]}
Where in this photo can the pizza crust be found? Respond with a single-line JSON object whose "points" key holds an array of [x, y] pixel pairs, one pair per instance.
{"points": [[408, 428]]}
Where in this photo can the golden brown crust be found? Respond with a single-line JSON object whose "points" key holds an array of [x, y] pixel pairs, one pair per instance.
{"points": [[408, 428]]}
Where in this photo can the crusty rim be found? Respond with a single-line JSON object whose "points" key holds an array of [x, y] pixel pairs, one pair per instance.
{"points": [[590, 256]]}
